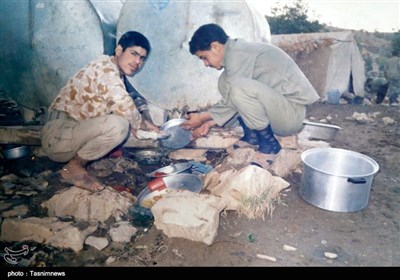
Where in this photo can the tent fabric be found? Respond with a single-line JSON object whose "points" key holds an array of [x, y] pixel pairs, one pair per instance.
{"points": [[331, 61]]}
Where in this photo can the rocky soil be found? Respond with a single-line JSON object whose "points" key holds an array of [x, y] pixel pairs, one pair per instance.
{"points": [[296, 234]]}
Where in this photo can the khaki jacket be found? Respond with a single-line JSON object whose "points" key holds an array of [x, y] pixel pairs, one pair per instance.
{"points": [[265, 63]]}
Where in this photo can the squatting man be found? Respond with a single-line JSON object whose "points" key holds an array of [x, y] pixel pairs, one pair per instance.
{"points": [[261, 87], [94, 113]]}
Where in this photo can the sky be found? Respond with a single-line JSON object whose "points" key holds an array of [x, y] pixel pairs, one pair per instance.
{"points": [[368, 15]]}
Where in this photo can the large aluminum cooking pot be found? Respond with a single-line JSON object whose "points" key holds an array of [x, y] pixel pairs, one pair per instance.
{"points": [[336, 179]]}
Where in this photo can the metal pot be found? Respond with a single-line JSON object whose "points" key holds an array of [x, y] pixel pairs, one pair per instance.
{"points": [[14, 152], [148, 157], [336, 179]]}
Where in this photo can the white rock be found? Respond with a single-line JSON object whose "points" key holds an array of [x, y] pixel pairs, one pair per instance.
{"points": [[97, 242], [189, 154], [122, 232], [388, 121], [265, 257], [289, 248], [142, 134], [111, 260], [87, 206], [198, 222], [330, 255], [46, 230]]}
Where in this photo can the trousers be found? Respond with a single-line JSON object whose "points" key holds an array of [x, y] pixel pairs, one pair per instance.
{"points": [[260, 106], [63, 137]]}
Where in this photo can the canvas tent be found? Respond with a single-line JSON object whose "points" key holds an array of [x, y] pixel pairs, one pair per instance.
{"points": [[331, 61]]}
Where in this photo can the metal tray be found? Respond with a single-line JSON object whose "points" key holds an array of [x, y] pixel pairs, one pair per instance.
{"points": [[171, 170], [189, 182]]}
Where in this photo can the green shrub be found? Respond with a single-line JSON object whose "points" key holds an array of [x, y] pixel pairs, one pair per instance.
{"points": [[289, 19]]}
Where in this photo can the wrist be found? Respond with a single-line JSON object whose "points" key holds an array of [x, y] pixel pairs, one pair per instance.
{"points": [[146, 115], [210, 123], [205, 117]]}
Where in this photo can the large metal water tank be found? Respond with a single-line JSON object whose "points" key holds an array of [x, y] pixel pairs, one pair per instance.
{"points": [[43, 43], [108, 12], [172, 77]]}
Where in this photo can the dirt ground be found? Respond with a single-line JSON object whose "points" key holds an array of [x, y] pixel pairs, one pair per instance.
{"points": [[366, 238]]}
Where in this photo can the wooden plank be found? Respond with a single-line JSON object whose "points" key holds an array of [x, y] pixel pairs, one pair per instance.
{"points": [[31, 135], [142, 144], [24, 135]]}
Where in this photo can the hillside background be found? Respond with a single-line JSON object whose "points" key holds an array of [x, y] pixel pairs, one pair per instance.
{"points": [[375, 47]]}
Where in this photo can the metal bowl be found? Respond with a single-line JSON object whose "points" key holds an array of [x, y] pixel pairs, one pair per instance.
{"points": [[321, 131], [172, 169], [178, 136], [189, 182], [16, 152]]}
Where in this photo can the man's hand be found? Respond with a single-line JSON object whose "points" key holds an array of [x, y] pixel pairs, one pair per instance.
{"points": [[197, 119], [150, 126], [199, 123], [203, 130], [194, 121], [146, 126]]}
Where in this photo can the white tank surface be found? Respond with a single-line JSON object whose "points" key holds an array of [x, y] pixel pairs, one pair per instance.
{"points": [[67, 35], [108, 12], [53, 40], [173, 78]]}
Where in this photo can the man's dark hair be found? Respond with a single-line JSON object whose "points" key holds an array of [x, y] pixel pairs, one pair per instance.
{"points": [[205, 35], [134, 38]]}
